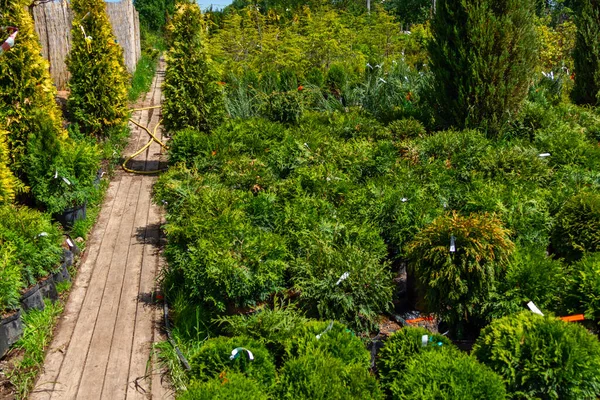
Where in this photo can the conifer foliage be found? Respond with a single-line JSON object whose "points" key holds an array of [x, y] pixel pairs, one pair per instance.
{"points": [[193, 97], [7, 179], [98, 83], [483, 55], [26, 89], [587, 54]]}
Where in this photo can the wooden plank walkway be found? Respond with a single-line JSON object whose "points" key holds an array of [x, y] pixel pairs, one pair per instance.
{"points": [[102, 346]]}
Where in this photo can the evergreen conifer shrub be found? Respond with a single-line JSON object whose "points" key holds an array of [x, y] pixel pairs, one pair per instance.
{"points": [[11, 281], [577, 227], [401, 347], [320, 376], [26, 89], [587, 54], [214, 359], [230, 386], [483, 55], [193, 98], [447, 374], [98, 84], [8, 182], [583, 287], [456, 260], [541, 357]]}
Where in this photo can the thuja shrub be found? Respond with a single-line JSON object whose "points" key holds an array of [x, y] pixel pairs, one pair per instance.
{"points": [[229, 386], [99, 80], [11, 281], [483, 55], [577, 226], [587, 54], [8, 182], [531, 275], [456, 261], [221, 257], [447, 374], [214, 358], [583, 287], [193, 98], [331, 338], [25, 86], [541, 357], [407, 128], [319, 376], [323, 249], [401, 347], [35, 240]]}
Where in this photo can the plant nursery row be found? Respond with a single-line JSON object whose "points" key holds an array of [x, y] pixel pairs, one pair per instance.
{"points": [[343, 220]]}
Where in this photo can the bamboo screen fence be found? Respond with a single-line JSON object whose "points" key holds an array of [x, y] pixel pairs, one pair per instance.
{"points": [[53, 25]]}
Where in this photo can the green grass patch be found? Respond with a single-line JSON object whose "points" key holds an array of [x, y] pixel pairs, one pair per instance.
{"points": [[142, 77], [36, 338]]}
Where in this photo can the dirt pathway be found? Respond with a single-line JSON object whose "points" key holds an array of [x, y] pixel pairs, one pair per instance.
{"points": [[102, 347]]}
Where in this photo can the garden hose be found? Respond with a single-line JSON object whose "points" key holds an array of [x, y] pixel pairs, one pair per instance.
{"points": [[153, 138]]}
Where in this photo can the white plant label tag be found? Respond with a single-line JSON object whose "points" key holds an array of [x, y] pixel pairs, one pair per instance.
{"points": [[325, 331], [452, 244], [424, 340], [235, 353], [543, 155], [534, 308], [344, 276], [68, 182], [69, 242]]}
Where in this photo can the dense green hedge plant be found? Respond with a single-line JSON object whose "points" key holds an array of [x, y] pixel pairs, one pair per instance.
{"points": [[587, 53], [229, 386], [99, 80], [193, 98], [447, 374], [577, 226], [483, 55], [541, 357], [213, 359], [8, 183], [26, 89], [456, 261], [401, 347], [319, 376], [583, 287]]}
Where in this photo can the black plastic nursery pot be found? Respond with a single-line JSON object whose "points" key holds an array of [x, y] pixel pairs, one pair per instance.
{"points": [[72, 215], [11, 329], [48, 288], [32, 299], [62, 274]]}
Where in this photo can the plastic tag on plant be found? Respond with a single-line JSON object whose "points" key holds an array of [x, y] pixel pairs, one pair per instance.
{"points": [[344, 276], [404, 200], [42, 234], [69, 242], [326, 330], [10, 42], [55, 174], [544, 155], [235, 353], [65, 180], [534, 308], [452, 244], [424, 340]]}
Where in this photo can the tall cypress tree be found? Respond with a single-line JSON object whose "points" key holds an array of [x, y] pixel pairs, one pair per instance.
{"points": [[587, 54], [192, 96], [98, 83], [483, 55]]}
